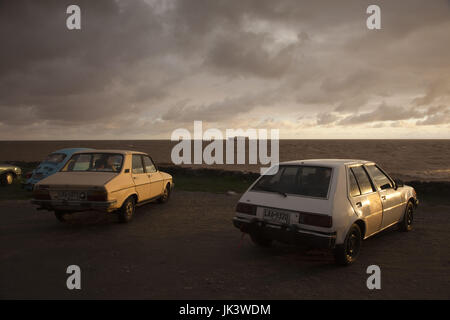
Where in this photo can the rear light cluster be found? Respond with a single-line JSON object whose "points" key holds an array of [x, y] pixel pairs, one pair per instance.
{"points": [[246, 208], [41, 192], [319, 220], [100, 195]]}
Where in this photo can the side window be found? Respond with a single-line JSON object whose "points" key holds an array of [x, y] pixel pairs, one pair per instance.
{"points": [[149, 165], [137, 164], [82, 163], [379, 178], [363, 179], [354, 188]]}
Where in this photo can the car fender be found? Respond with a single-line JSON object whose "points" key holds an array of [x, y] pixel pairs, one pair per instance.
{"points": [[7, 171], [126, 196], [408, 193], [167, 178]]}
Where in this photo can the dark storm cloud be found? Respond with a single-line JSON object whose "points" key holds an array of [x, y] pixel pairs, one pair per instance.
{"points": [[388, 113], [382, 113], [134, 61], [222, 110], [231, 57], [324, 118], [76, 75], [436, 115]]}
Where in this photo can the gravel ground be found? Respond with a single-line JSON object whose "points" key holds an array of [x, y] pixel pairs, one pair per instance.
{"points": [[188, 249]]}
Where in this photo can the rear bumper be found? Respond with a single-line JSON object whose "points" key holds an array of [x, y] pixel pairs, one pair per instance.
{"points": [[75, 205], [289, 234], [28, 186]]}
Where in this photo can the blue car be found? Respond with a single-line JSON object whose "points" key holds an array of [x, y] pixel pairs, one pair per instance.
{"points": [[53, 163]]}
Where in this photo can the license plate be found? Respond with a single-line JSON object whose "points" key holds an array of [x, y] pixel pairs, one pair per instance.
{"points": [[68, 195], [276, 216]]}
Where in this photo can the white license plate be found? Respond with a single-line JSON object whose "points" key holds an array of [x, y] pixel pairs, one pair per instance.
{"points": [[67, 195], [277, 216]]}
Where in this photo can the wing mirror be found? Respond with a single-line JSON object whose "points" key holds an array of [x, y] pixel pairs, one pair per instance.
{"points": [[398, 183]]}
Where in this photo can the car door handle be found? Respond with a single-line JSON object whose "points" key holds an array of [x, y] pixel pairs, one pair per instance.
{"points": [[359, 204], [383, 197]]}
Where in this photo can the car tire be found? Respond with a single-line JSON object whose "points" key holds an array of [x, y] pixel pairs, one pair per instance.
{"points": [[347, 253], [126, 212], [7, 178], [61, 215], [260, 240], [165, 196], [408, 217]]}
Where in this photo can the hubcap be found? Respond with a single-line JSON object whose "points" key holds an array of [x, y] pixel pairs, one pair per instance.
{"points": [[409, 217], [9, 179], [352, 245], [129, 209]]}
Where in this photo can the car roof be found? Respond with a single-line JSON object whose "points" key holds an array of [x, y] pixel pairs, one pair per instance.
{"points": [[70, 150], [7, 165], [111, 151], [326, 162]]}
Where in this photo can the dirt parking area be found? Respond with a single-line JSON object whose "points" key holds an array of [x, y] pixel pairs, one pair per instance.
{"points": [[188, 249]]}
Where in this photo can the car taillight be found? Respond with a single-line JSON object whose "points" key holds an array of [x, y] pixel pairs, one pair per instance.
{"points": [[319, 220], [28, 175], [246, 208], [97, 196], [41, 193]]}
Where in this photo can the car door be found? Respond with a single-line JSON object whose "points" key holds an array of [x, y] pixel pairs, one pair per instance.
{"points": [[390, 198], [364, 198], [140, 178], [155, 177]]}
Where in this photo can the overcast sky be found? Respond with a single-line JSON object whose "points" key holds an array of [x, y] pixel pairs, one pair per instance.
{"points": [[140, 69]]}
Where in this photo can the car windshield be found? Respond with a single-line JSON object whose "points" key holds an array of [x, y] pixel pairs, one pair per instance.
{"points": [[97, 162], [55, 158], [308, 181]]}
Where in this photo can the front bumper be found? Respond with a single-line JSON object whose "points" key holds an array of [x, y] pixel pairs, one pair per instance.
{"points": [[286, 233], [67, 205]]}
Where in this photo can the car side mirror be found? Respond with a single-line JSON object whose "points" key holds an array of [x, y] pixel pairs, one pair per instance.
{"points": [[386, 186], [398, 183]]}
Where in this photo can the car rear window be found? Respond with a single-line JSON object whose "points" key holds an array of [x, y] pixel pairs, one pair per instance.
{"points": [[55, 158], [311, 181], [98, 162]]}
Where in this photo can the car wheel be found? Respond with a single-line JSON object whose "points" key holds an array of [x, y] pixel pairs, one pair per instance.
{"points": [[347, 253], [61, 216], [260, 240], [165, 196], [7, 178], [126, 212], [408, 217]]}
